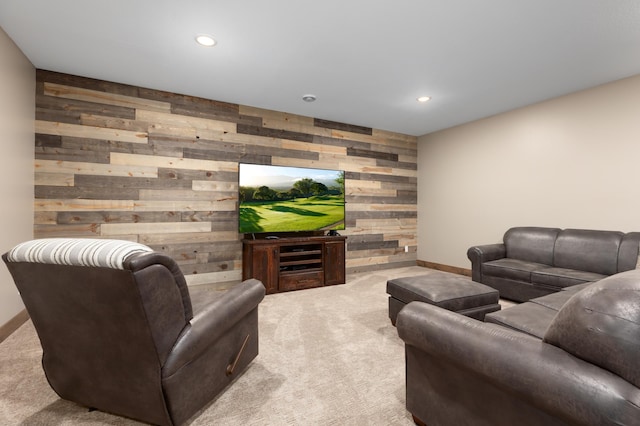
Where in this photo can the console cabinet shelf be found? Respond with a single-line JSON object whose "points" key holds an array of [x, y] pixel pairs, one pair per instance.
{"points": [[296, 263]]}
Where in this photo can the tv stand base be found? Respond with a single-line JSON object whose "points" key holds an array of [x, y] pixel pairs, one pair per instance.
{"points": [[296, 263]]}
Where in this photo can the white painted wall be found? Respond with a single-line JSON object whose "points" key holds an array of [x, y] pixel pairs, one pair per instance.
{"points": [[571, 162], [17, 113]]}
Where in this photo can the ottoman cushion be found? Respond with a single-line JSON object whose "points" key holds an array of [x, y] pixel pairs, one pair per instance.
{"points": [[447, 291]]}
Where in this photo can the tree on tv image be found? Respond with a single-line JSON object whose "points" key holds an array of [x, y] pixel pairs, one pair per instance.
{"points": [[265, 193], [306, 205]]}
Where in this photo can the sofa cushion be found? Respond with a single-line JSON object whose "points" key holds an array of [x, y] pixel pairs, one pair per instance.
{"points": [[513, 269], [576, 288], [532, 244], [553, 301], [628, 256], [561, 277], [588, 250], [528, 317], [601, 325]]}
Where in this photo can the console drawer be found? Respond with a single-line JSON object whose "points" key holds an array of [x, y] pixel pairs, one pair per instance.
{"points": [[300, 280]]}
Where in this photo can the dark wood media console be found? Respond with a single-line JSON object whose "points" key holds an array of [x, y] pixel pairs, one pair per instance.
{"points": [[295, 263]]}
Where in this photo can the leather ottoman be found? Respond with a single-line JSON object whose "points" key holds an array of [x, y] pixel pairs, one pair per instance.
{"points": [[448, 291]]}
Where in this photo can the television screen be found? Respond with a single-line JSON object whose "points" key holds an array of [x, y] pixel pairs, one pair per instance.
{"points": [[290, 199]]}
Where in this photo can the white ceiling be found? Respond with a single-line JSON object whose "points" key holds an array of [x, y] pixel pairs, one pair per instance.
{"points": [[365, 60]]}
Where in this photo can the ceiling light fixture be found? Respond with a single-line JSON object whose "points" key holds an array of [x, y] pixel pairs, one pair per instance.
{"points": [[424, 99], [309, 98], [205, 40]]}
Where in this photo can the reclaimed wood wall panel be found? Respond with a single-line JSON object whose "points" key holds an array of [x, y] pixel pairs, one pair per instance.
{"points": [[95, 96], [89, 132], [118, 161]]}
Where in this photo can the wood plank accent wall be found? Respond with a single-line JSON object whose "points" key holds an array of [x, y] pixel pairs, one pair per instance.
{"points": [[118, 161]]}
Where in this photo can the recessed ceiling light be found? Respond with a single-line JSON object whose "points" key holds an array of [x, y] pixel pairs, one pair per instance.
{"points": [[424, 99], [205, 40], [309, 98]]}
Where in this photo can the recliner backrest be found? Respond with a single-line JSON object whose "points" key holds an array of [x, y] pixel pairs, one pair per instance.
{"points": [[531, 244]]}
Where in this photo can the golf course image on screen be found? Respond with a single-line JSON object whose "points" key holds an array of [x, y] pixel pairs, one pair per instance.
{"points": [[289, 199]]}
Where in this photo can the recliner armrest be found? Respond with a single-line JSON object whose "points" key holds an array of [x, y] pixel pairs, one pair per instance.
{"points": [[537, 373], [212, 322]]}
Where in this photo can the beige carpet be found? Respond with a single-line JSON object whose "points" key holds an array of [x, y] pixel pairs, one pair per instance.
{"points": [[328, 356]]}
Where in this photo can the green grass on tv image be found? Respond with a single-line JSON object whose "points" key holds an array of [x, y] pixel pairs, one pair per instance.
{"points": [[321, 212]]}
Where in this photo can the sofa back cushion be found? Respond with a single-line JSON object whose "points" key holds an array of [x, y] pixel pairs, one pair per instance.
{"points": [[588, 250], [628, 254], [532, 244], [601, 325]]}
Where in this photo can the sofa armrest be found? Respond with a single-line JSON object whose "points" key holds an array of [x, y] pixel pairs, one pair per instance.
{"points": [[533, 372], [212, 322], [484, 253]]}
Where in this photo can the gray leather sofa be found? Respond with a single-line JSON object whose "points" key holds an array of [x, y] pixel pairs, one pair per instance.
{"points": [[535, 261], [570, 358]]}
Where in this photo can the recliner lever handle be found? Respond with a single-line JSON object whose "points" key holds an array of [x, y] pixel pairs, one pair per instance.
{"points": [[231, 367]]}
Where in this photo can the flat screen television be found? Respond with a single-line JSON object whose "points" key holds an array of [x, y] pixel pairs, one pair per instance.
{"points": [[275, 199]]}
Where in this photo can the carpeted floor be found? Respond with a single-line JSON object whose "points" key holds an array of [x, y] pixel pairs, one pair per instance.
{"points": [[328, 356]]}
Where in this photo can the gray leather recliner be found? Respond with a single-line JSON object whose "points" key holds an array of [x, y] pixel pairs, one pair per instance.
{"points": [[122, 333]]}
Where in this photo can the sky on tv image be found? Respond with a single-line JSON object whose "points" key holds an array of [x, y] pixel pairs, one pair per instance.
{"points": [[282, 177]]}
